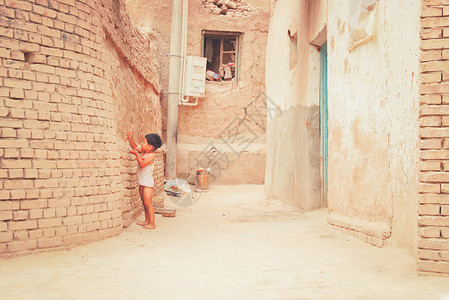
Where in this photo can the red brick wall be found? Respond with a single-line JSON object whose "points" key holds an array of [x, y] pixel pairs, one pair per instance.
{"points": [[433, 222], [75, 75]]}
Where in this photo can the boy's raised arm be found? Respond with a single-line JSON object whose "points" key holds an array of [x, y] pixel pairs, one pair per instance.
{"points": [[129, 137]]}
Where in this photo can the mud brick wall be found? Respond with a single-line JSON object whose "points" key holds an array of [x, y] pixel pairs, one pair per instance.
{"points": [[433, 222], [74, 77], [132, 73]]}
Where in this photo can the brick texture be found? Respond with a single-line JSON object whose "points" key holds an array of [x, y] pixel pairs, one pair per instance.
{"points": [[76, 76], [433, 210]]}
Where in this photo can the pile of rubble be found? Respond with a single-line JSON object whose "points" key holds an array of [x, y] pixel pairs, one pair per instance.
{"points": [[228, 7]]}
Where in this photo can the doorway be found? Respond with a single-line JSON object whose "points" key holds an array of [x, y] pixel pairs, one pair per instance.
{"points": [[323, 123]]}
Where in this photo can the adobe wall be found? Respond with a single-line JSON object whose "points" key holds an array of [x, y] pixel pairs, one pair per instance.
{"points": [[293, 134], [373, 118], [433, 221], [200, 126], [373, 126], [75, 75]]}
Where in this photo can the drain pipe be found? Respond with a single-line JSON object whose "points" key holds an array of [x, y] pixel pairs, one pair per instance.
{"points": [[174, 85], [185, 9]]}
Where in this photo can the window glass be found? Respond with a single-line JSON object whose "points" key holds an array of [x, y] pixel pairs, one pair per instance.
{"points": [[228, 58], [229, 44]]}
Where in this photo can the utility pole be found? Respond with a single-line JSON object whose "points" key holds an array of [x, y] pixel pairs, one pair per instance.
{"points": [[174, 87]]}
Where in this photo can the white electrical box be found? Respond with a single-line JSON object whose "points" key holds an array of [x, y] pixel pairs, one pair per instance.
{"points": [[195, 76]]}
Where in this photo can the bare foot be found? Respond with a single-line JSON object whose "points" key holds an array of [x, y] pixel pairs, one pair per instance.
{"points": [[149, 226], [142, 223]]}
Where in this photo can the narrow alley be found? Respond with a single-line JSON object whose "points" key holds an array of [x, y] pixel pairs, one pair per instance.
{"points": [[232, 244]]}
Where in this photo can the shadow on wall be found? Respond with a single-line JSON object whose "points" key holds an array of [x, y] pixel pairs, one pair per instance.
{"points": [[293, 168]]}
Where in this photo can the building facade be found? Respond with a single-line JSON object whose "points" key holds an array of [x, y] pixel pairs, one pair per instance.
{"points": [[207, 134], [360, 90]]}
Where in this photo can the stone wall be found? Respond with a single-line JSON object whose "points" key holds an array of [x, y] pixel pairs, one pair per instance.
{"points": [[75, 75], [433, 243]]}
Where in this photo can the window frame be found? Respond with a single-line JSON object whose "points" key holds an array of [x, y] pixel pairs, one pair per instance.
{"points": [[221, 35]]}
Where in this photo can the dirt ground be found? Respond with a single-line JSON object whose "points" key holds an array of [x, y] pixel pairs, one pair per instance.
{"points": [[232, 244]]}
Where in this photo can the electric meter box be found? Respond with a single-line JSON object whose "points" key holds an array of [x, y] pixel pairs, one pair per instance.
{"points": [[195, 76]]}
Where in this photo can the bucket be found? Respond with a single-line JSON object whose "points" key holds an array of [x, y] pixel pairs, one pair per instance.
{"points": [[202, 177]]}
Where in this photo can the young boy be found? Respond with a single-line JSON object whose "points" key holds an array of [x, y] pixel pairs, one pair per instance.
{"points": [[145, 166]]}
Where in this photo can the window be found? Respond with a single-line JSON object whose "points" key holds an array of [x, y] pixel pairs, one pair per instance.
{"points": [[222, 52]]}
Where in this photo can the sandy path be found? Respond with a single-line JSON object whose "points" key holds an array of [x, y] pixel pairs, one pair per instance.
{"points": [[232, 244]]}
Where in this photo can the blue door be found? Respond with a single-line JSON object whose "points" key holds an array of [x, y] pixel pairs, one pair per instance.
{"points": [[323, 121]]}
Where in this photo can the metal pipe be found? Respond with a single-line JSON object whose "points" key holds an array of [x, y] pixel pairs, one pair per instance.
{"points": [[185, 9], [174, 87]]}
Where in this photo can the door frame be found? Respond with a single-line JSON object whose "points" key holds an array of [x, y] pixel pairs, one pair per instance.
{"points": [[324, 128]]}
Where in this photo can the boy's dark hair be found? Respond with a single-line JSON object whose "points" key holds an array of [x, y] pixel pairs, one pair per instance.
{"points": [[154, 139]]}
